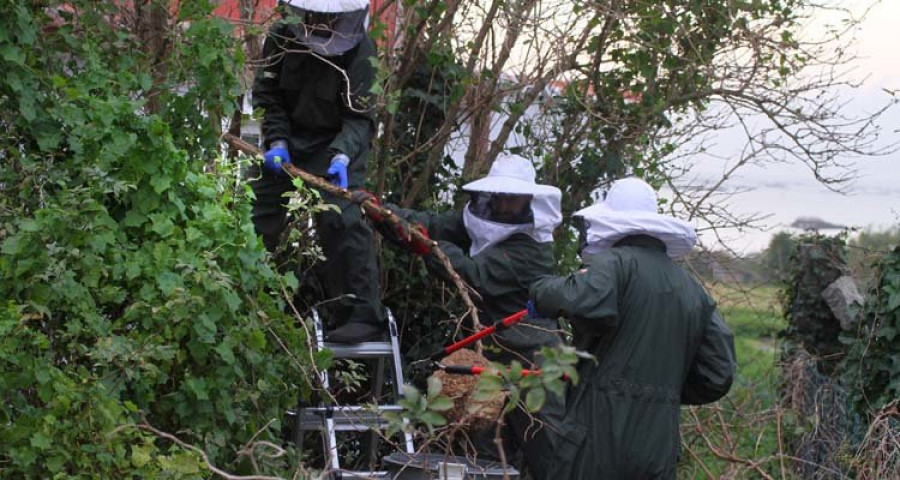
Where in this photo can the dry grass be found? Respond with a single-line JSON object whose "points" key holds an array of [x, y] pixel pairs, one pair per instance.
{"points": [[762, 298]]}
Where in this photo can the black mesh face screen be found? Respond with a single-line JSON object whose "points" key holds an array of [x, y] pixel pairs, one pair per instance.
{"points": [[326, 33], [582, 225], [321, 24], [509, 208]]}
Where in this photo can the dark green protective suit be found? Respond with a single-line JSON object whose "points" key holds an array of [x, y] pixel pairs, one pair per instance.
{"points": [[501, 274], [660, 342], [304, 101]]}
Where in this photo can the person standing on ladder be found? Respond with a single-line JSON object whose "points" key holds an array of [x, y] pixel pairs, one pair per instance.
{"points": [[314, 91]]}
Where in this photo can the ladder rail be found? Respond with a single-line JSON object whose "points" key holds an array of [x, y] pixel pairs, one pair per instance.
{"points": [[330, 436], [399, 381], [329, 419]]}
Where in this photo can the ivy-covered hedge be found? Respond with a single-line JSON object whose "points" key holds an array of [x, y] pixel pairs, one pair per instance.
{"points": [[133, 286], [866, 360], [871, 369], [816, 262]]}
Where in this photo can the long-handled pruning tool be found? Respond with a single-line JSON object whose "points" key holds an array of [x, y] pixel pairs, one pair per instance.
{"points": [[505, 323], [496, 327]]}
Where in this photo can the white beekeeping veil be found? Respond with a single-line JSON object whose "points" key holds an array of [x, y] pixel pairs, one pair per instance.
{"points": [[328, 27], [630, 208], [509, 201]]}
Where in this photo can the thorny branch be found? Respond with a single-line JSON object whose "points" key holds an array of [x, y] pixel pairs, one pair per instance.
{"points": [[278, 451]]}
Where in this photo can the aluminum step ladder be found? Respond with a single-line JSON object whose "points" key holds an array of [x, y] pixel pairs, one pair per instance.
{"points": [[329, 419]]}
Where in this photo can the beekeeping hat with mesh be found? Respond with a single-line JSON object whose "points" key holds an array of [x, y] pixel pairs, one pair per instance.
{"points": [[328, 27], [630, 208], [509, 201]]}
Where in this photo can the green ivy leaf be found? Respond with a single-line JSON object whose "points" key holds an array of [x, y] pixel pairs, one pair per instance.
{"points": [[162, 224], [168, 282], [323, 359], [197, 386], [434, 386], [181, 463], [440, 404], [40, 440], [141, 455], [225, 353], [534, 399], [257, 339], [433, 419], [160, 183]]}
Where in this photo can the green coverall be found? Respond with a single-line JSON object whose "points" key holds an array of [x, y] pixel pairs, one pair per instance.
{"points": [[501, 274], [659, 341], [304, 100]]}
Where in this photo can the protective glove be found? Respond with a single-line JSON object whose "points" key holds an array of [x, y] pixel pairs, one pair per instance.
{"points": [[419, 247], [276, 157], [337, 172], [532, 312], [399, 234], [361, 196]]}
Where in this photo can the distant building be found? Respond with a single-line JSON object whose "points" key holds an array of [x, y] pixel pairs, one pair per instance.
{"points": [[722, 267]]}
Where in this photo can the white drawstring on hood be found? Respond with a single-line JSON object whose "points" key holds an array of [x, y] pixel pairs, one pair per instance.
{"points": [[513, 174], [630, 208]]}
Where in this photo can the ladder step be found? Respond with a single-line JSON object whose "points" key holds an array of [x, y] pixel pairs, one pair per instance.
{"points": [[346, 418], [349, 409], [330, 419], [366, 475], [360, 350]]}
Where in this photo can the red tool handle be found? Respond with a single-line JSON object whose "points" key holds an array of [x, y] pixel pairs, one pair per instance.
{"points": [[474, 370], [506, 322]]}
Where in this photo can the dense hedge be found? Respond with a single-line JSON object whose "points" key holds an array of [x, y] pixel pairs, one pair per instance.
{"points": [[133, 286], [872, 367], [816, 262], [864, 360]]}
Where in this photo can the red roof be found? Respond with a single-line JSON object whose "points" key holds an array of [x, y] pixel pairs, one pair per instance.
{"points": [[230, 9], [265, 9]]}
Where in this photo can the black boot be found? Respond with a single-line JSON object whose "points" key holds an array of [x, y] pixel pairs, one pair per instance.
{"points": [[355, 332]]}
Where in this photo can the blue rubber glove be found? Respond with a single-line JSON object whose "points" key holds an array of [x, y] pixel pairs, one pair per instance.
{"points": [[277, 156], [337, 172], [532, 312]]}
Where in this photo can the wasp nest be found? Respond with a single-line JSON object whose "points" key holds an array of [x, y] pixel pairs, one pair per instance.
{"points": [[468, 412]]}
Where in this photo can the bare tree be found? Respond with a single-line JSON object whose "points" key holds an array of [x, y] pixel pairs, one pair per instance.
{"points": [[593, 90]]}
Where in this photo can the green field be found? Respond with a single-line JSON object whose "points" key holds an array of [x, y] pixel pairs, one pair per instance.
{"points": [[739, 436]]}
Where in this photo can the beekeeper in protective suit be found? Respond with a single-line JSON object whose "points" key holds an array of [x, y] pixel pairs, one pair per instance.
{"points": [[500, 242], [314, 92], [657, 336]]}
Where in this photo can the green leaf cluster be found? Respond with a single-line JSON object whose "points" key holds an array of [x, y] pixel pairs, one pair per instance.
{"points": [[557, 367], [133, 285], [871, 369], [420, 410]]}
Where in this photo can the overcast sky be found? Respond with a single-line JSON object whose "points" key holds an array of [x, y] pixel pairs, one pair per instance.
{"points": [[785, 192]]}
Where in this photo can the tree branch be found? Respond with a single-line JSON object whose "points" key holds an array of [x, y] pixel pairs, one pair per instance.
{"points": [[465, 290]]}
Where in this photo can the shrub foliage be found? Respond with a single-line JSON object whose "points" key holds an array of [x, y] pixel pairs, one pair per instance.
{"points": [[134, 289], [872, 367], [816, 262]]}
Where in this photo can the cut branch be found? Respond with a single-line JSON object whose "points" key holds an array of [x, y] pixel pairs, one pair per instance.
{"points": [[374, 210]]}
